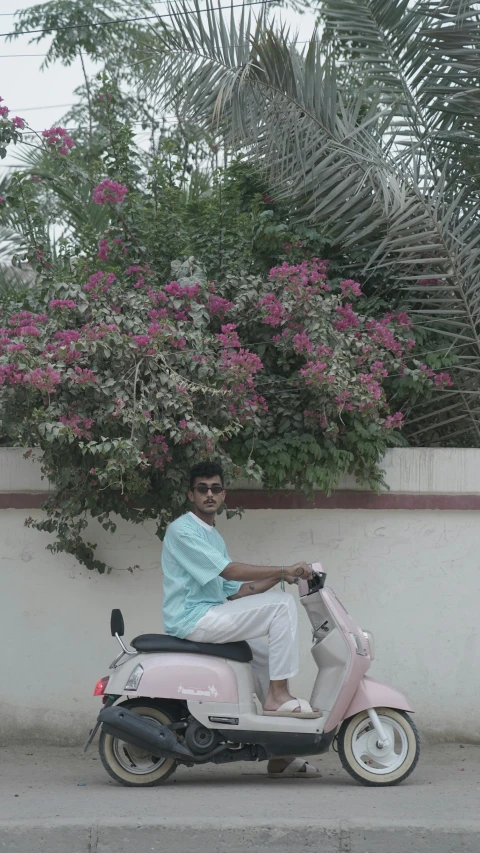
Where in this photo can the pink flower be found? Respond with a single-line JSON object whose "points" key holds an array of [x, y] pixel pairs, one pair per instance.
{"points": [[275, 312], [58, 139], [349, 318], [158, 455], [98, 283], [218, 306], [394, 421], [4, 111], [229, 336], [67, 336], [62, 303], [313, 372], [402, 319], [18, 122], [381, 334], [371, 385], [315, 419], [2, 199], [79, 425], [83, 376], [11, 375], [29, 331], [443, 380], [428, 282], [187, 291], [26, 318], [109, 192], [178, 343], [302, 343], [15, 347], [142, 340], [43, 379], [103, 249], [342, 398], [378, 370], [350, 288], [427, 370]]}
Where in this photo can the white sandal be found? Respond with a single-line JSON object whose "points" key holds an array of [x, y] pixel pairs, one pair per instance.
{"points": [[298, 768], [288, 710]]}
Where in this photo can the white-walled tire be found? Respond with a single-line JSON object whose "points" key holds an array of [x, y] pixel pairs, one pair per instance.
{"points": [[132, 766], [374, 766]]}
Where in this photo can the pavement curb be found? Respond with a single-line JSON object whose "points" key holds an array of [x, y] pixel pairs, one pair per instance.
{"points": [[189, 836]]}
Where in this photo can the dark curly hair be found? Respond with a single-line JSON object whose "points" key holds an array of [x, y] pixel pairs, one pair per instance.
{"points": [[207, 470]]}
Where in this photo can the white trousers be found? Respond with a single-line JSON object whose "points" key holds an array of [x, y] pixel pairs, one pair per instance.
{"points": [[269, 614]]}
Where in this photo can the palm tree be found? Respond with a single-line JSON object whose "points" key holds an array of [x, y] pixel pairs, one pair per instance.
{"points": [[374, 131]]}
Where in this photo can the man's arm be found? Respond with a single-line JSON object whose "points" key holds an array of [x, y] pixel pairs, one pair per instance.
{"points": [[253, 588], [268, 576]]}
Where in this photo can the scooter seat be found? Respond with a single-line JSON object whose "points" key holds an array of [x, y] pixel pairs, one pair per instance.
{"points": [[240, 651]]}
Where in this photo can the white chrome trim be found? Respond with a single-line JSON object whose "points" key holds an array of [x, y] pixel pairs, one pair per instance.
{"points": [[124, 651], [383, 740]]}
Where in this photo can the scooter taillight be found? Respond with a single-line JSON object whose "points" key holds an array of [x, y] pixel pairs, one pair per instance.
{"points": [[101, 686]]}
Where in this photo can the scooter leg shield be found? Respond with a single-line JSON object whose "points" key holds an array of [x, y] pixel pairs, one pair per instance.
{"points": [[146, 734]]}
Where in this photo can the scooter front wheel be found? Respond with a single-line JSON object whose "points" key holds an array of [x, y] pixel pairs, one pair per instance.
{"points": [[373, 764], [129, 765]]}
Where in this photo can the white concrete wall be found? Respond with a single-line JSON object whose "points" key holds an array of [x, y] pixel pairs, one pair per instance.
{"points": [[413, 578]]}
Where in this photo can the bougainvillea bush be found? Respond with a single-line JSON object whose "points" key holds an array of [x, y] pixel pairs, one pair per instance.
{"points": [[122, 377]]}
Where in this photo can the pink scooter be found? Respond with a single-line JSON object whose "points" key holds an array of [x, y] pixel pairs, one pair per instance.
{"points": [[170, 701]]}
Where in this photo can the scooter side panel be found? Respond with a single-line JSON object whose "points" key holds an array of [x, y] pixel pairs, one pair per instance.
{"points": [[373, 694], [183, 676]]}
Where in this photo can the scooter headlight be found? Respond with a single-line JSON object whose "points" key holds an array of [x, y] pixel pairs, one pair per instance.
{"points": [[371, 643], [134, 678]]}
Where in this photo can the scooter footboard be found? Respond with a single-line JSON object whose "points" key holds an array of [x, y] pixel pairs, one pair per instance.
{"points": [[373, 694]]}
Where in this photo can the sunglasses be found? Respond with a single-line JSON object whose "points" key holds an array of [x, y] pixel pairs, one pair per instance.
{"points": [[216, 489]]}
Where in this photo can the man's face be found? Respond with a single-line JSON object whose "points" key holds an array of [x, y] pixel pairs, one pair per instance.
{"points": [[207, 494]]}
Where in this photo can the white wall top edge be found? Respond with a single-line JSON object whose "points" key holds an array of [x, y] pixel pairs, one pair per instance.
{"points": [[411, 470]]}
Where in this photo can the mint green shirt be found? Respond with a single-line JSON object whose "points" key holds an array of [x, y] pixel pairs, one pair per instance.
{"points": [[193, 556]]}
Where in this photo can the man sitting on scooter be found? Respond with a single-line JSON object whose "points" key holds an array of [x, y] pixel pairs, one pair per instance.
{"points": [[209, 598]]}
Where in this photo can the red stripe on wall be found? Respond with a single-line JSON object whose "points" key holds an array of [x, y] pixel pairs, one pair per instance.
{"points": [[22, 500], [253, 499], [249, 499]]}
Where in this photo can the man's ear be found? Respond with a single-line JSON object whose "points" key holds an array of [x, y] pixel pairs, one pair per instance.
{"points": [[191, 497]]}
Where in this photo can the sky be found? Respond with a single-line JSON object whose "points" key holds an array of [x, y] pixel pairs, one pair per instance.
{"points": [[42, 97]]}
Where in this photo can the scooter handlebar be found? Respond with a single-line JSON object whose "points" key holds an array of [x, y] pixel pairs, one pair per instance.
{"points": [[314, 584]]}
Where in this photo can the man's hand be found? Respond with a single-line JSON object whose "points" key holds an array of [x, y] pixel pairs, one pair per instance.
{"points": [[298, 571]]}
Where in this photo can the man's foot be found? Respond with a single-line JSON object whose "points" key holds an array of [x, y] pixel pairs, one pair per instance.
{"points": [[274, 701], [291, 767], [278, 765], [279, 695]]}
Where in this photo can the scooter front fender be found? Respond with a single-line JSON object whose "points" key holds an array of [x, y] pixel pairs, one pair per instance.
{"points": [[373, 694]]}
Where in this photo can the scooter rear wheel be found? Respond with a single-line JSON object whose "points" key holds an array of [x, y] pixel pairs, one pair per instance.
{"points": [[374, 766], [132, 766]]}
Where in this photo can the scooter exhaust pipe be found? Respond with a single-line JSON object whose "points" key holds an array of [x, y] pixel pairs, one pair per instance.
{"points": [[146, 734]]}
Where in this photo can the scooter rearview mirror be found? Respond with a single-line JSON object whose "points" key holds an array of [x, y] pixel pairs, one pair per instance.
{"points": [[116, 623]]}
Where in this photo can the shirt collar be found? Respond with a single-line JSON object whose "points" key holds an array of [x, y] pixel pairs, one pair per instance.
{"points": [[200, 522]]}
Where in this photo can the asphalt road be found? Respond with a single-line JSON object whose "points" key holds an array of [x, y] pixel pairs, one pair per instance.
{"points": [[56, 800]]}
